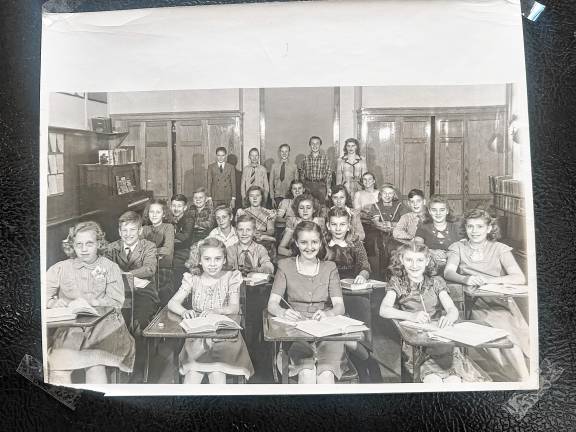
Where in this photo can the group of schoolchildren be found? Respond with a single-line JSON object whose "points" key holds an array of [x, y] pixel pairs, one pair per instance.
{"points": [[197, 253]]}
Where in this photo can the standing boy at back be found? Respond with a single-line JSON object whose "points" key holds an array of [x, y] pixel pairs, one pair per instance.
{"points": [[138, 257], [183, 227], [315, 171], [254, 175], [221, 180], [281, 174]]}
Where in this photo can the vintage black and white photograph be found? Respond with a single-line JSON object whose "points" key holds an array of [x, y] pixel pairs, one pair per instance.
{"points": [[265, 236]]}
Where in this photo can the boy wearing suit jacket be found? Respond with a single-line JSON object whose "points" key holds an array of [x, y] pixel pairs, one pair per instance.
{"points": [[221, 180], [137, 256]]}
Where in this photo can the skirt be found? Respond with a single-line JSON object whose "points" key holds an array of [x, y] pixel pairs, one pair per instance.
{"points": [[445, 363], [330, 356], [108, 343], [504, 314], [229, 356]]}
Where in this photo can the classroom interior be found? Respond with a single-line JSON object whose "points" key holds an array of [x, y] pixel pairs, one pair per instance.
{"points": [[443, 140]]}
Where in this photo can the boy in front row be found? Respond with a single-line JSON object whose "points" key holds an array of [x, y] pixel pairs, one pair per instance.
{"points": [[249, 256], [138, 257]]}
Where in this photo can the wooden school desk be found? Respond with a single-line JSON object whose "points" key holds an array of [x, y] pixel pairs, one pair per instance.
{"points": [[420, 339], [166, 325], [282, 333], [83, 321], [472, 293]]}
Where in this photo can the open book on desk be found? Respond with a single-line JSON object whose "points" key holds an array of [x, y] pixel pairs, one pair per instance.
{"points": [[75, 308], [328, 326], [504, 289], [349, 284], [255, 278], [210, 323]]}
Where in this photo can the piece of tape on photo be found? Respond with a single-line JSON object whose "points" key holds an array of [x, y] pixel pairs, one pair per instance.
{"points": [[31, 369], [535, 11]]}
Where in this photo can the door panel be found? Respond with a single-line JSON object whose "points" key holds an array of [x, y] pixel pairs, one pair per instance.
{"points": [[158, 159], [191, 157], [415, 144], [381, 148]]}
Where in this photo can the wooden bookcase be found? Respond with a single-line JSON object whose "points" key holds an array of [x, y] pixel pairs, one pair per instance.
{"points": [[509, 206]]}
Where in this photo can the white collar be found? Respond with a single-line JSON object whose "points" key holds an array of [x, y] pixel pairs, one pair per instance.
{"points": [[131, 247], [341, 243]]}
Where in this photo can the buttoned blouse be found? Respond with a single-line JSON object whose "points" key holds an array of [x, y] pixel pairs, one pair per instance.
{"points": [[307, 294]]}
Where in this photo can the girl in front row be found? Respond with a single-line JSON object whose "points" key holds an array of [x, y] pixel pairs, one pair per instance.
{"points": [[310, 285], [90, 276], [414, 295], [215, 291], [481, 259]]}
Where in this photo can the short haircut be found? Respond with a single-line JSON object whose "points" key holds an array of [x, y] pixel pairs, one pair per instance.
{"points": [[245, 218], [388, 186], [221, 149], [254, 149], [284, 145], [224, 208], [130, 217], [201, 189], [416, 192], [306, 196], [68, 242], [314, 137], [179, 197], [352, 140], [337, 212]]}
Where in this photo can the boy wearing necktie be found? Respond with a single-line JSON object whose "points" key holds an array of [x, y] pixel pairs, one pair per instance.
{"points": [[281, 174]]}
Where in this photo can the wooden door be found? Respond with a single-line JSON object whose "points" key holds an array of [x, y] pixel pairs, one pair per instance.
{"points": [[192, 156], [158, 158], [196, 144], [397, 149], [465, 156]]}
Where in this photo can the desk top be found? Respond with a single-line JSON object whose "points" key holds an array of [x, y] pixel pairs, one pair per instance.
{"points": [[274, 331], [83, 321], [474, 291], [420, 338], [171, 328]]}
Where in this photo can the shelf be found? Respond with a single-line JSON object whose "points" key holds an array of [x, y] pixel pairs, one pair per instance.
{"points": [[508, 195], [113, 139]]}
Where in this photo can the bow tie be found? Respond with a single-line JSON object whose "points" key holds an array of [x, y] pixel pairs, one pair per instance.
{"points": [[341, 243]]}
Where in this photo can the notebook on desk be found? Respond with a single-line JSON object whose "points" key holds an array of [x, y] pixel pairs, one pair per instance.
{"points": [[254, 278], [328, 326], [210, 323], [71, 312], [471, 334], [349, 284], [505, 289]]}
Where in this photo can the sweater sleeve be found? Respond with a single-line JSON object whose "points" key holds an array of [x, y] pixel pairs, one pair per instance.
{"points": [[148, 268], [114, 293]]}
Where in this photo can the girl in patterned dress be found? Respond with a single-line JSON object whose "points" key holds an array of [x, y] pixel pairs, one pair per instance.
{"points": [[90, 276], [415, 295], [351, 167], [215, 291], [480, 259]]}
